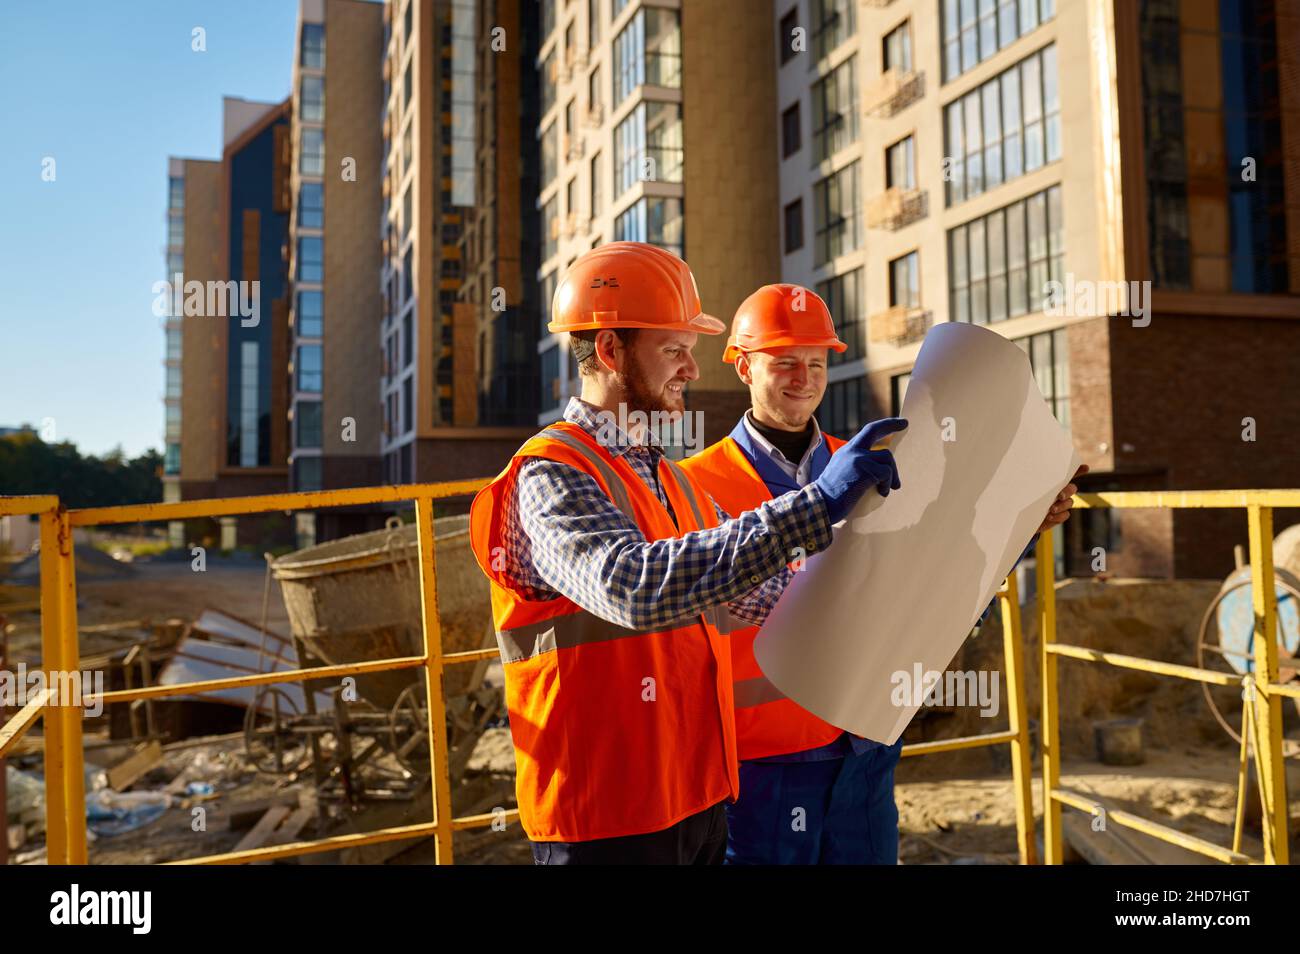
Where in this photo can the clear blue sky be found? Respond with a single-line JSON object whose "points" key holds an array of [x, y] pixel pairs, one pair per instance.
{"points": [[110, 89]]}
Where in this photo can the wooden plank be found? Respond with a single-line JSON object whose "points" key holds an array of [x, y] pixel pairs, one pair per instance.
{"points": [[260, 832], [289, 831], [1099, 847], [127, 772]]}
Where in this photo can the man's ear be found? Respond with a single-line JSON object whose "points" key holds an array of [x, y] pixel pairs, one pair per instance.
{"points": [[742, 369], [609, 350]]}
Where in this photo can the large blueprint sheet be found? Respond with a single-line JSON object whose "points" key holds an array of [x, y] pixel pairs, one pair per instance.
{"points": [[908, 575]]}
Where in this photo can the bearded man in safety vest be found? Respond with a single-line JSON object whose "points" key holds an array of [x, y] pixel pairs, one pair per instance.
{"points": [[613, 576], [809, 793]]}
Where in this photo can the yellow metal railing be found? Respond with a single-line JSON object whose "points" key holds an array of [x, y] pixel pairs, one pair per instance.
{"points": [[1017, 733], [64, 757], [1262, 700]]}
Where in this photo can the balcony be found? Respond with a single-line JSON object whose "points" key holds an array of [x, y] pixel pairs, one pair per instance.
{"points": [[596, 115], [893, 92], [573, 225], [899, 325], [895, 208], [574, 147], [575, 59]]}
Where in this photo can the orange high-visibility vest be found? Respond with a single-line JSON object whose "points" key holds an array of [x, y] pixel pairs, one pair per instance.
{"points": [[767, 722], [616, 731]]}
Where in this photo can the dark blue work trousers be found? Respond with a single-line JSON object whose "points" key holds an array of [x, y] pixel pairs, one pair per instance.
{"points": [[834, 811]]}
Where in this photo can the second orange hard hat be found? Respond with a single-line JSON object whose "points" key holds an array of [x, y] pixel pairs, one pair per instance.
{"points": [[630, 285], [781, 316]]}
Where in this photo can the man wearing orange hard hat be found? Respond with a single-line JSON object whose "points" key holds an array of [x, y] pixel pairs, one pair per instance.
{"points": [[614, 576], [810, 793]]}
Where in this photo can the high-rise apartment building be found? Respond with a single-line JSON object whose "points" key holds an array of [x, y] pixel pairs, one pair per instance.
{"points": [[334, 255], [946, 162], [500, 240], [655, 126], [429, 388], [228, 226]]}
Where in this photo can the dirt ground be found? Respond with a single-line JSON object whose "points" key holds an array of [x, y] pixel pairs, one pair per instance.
{"points": [[954, 807]]}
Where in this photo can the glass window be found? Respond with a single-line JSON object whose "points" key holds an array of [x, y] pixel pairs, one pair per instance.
{"points": [[312, 160], [1006, 127], [951, 40], [176, 192], [834, 111], [785, 35], [309, 314], [550, 228], [597, 199], [408, 339], [837, 226], [408, 84], [989, 94], [311, 100], [794, 226], [308, 367], [900, 166], [997, 265], [790, 138], [1031, 88], [307, 423], [843, 410], [958, 275], [648, 50], [307, 471], [1036, 212], [897, 52], [1011, 148], [593, 23], [904, 282], [654, 220], [549, 81], [1017, 272], [955, 158], [898, 392], [408, 404], [1051, 105], [843, 297], [648, 146], [593, 90], [971, 31], [550, 154], [1055, 235], [311, 258], [175, 230], [313, 46], [832, 23], [408, 276], [311, 206], [979, 289]]}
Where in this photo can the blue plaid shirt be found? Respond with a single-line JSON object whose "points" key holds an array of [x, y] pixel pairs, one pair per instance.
{"points": [[564, 536]]}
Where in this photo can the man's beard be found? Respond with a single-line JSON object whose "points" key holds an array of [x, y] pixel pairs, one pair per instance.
{"points": [[639, 394]]}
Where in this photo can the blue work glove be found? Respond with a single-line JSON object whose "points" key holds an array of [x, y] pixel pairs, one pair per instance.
{"points": [[855, 468]]}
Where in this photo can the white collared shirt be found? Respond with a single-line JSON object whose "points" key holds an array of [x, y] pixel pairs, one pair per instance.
{"points": [[800, 473]]}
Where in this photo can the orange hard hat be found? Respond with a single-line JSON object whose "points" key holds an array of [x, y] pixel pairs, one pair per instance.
{"points": [[781, 316], [630, 285]]}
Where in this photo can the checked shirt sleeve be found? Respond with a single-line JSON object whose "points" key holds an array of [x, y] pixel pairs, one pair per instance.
{"points": [[579, 544]]}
